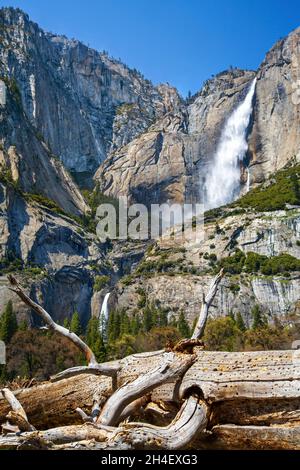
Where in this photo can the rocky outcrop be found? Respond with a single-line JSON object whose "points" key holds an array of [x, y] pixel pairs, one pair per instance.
{"points": [[275, 135], [151, 168], [170, 160], [74, 95], [182, 273], [59, 260], [27, 160], [183, 293]]}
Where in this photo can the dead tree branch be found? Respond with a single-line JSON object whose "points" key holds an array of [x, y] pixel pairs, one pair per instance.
{"points": [[207, 301], [17, 416], [172, 366], [41, 312]]}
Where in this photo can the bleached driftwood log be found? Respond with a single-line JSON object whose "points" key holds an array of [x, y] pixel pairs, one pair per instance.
{"points": [[206, 303], [212, 399], [17, 416]]}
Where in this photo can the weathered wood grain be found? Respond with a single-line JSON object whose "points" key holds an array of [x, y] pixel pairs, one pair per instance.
{"points": [[226, 376], [253, 438]]}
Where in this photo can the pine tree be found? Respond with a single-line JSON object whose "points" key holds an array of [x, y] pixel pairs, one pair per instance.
{"points": [[125, 325], [67, 323], [114, 326], [155, 314], [147, 319], [8, 325], [163, 318], [240, 322], [95, 340], [75, 325], [258, 320], [136, 325], [92, 331], [183, 326], [110, 327], [99, 349], [231, 315]]}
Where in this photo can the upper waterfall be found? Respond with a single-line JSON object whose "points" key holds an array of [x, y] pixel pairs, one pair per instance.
{"points": [[223, 181]]}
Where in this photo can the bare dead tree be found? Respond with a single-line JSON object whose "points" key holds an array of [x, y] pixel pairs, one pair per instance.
{"points": [[184, 390], [206, 303]]}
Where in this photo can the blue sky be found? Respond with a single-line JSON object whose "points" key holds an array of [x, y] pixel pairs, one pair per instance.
{"points": [[182, 42]]}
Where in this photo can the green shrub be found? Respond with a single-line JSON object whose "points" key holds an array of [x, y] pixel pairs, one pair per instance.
{"points": [[127, 280], [255, 263], [284, 190], [235, 288], [143, 297], [233, 264], [280, 264], [259, 320], [222, 334], [100, 282], [44, 201]]}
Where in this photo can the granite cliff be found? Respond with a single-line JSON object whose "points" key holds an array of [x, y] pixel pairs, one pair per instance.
{"points": [[177, 153], [83, 103]]}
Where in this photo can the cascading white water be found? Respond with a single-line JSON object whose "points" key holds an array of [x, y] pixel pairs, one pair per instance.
{"points": [[248, 180], [223, 181], [103, 317]]}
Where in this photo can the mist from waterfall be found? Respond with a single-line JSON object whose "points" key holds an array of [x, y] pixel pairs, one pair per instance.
{"points": [[223, 181], [103, 317]]}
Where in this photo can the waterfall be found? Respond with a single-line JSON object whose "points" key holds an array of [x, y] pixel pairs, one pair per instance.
{"points": [[248, 180], [223, 181], [103, 317]]}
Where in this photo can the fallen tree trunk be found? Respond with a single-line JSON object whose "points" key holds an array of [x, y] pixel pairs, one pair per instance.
{"points": [[235, 437], [211, 399], [271, 397]]}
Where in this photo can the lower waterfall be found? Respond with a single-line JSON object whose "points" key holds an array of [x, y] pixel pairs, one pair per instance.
{"points": [[103, 317]]}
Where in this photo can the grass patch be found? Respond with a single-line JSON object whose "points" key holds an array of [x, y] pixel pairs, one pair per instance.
{"points": [[284, 188]]}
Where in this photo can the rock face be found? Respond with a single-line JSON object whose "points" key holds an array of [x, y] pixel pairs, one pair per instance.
{"points": [[275, 135], [89, 108], [59, 259], [169, 161], [151, 168], [276, 297], [74, 95], [29, 161], [181, 288]]}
